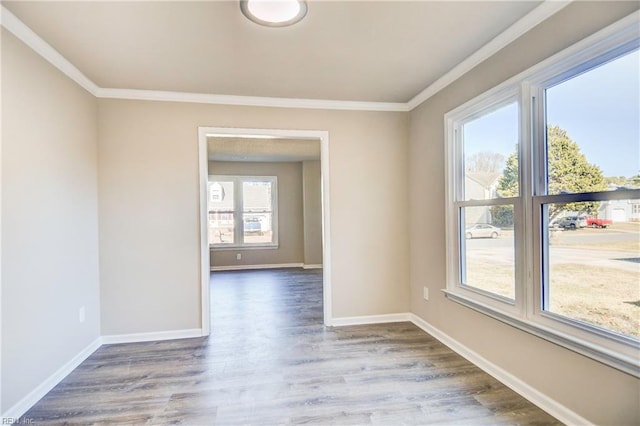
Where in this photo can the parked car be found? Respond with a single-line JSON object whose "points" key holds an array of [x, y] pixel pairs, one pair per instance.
{"points": [[482, 230], [572, 222], [594, 222], [252, 226]]}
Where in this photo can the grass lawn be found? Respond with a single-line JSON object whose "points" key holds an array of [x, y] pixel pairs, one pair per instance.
{"points": [[603, 296], [607, 297]]}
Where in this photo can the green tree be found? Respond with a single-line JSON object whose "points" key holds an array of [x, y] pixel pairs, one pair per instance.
{"points": [[502, 216], [568, 172], [616, 180], [508, 185]]}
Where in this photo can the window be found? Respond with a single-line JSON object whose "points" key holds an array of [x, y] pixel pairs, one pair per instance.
{"points": [[543, 189], [487, 262], [243, 211]]}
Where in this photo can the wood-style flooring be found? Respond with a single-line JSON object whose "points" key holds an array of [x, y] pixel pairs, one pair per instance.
{"points": [[270, 361]]}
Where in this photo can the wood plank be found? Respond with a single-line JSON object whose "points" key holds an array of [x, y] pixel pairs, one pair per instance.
{"points": [[270, 360]]}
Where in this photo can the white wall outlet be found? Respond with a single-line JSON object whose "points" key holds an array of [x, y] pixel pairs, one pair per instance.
{"points": [[239, 256], [425, 293], [82, 314]]}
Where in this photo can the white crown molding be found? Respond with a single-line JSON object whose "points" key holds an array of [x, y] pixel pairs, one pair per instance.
{"points": [[44, 49], [527, 22], [203, 98], [31, 39]]}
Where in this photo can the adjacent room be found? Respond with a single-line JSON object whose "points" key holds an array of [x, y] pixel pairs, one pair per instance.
{"points": [[372, 212]]}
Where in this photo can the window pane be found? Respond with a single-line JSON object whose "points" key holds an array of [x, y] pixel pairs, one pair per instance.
{"points": [[490, 154], [221, 218], [257, 228], [594, 264], [593, 129], [257, 212], [488, 260]]}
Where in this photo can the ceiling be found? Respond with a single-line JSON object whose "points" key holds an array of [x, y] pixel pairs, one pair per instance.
{"points": [[343, 50], [253, 149]]}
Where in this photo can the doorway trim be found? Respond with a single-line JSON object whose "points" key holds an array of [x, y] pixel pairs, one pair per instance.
{"points": [[205, 268]]}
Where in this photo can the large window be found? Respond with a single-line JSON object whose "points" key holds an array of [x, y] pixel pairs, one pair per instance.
{"points": [[543, 189], [243, 211]]}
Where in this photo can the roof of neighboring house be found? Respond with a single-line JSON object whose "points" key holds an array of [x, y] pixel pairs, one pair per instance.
{"points": [[486, 179]]}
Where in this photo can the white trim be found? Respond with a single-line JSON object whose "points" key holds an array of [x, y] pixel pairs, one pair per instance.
{"points": [[619, 32], [551, 406], [44, 49], [205, 267], [371, 319], [31, 39], [204, 98], [547, 404], [312, 266], [251, 267], [627, 363], [22, 406], [526, 23], [527, 314], [238, 212], [203, 171], [152, 336]]}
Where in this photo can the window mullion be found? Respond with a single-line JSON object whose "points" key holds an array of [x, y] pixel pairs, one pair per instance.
{"points": [[522, 216]]}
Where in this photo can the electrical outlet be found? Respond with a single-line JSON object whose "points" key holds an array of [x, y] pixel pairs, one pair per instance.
{"points": [[425, 293], [82, 314], [239, 256]]}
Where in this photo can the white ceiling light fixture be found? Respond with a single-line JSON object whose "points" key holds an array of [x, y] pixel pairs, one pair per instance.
{"points": [[274, 13]]}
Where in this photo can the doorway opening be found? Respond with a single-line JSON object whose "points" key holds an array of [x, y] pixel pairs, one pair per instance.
{"points": [[241, 144]]}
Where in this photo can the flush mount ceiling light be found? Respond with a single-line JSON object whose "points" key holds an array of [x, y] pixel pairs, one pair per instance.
{"points": [[274, 13]]}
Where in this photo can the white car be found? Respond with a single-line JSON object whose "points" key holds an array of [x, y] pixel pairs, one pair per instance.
{"points": [[482, 230]]}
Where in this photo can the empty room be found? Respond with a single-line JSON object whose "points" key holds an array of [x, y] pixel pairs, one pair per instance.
{"points": [[320, 212]]}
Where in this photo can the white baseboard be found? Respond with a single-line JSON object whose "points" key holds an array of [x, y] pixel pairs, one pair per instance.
{"points": [[153, 336], [536, 397], [50, 382], [370, 319], [312, 266], [249, 267], [551, 406]]}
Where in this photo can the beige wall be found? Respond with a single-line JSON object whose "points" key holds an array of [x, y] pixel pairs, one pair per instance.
{"points": [[49, 220], [149, 213], [312, 190], [290, 218], [149, 231], [598, 393]]}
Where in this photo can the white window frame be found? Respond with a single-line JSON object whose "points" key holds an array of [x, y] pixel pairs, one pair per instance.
{"points": [[238, 212], [526, 311]]}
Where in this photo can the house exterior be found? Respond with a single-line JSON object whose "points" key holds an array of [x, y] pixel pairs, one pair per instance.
{"points": [[480, 186], [620, 210]]}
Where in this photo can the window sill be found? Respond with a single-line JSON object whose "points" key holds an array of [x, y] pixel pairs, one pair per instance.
{"points": [[622, 362]]}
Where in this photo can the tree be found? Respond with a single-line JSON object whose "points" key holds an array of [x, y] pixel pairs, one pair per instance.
{"points": [[485, 161], [508, 185], [616, 180], [568, 172], [502, 216]]}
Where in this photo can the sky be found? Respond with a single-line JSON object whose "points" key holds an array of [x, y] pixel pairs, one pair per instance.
{"points": [[599, 109]]}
